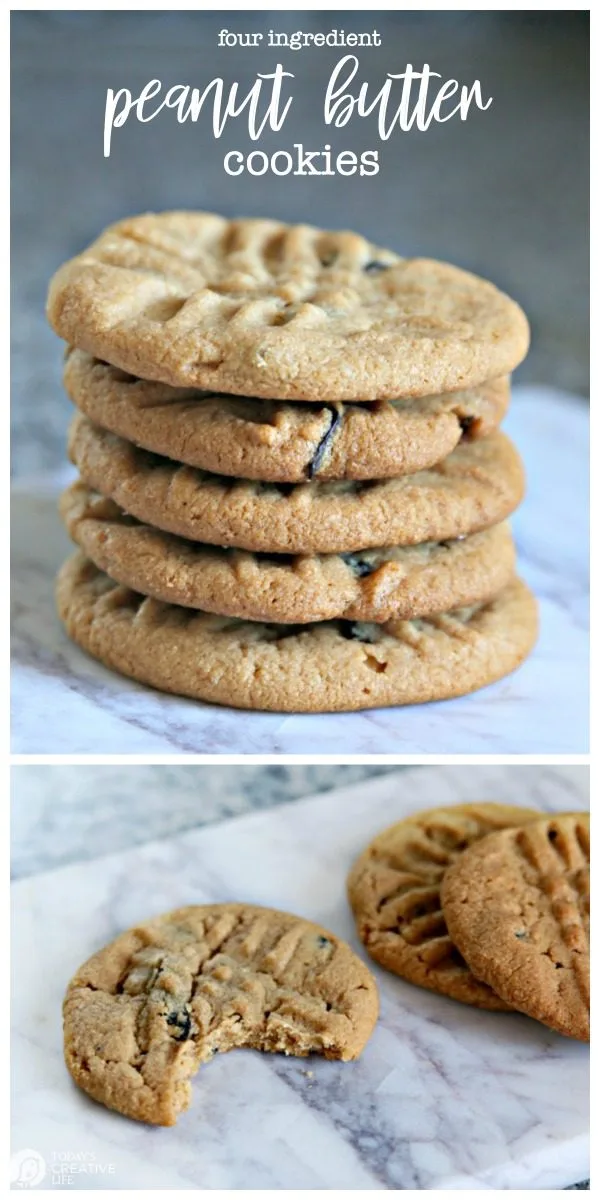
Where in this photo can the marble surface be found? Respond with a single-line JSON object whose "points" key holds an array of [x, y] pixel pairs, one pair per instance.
{"points": [[444, 1096], [78, 813], [64, 702], [505, 193]]}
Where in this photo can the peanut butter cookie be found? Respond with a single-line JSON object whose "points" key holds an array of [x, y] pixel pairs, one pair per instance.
{"points": [[277, 441], [144, 1013], [517, 905], [394, 891], [375, 585], [478, 485], [259, 308]]}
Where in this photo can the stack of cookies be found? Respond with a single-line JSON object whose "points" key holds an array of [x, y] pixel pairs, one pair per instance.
{"points": [[486, 903], [292, 489]]}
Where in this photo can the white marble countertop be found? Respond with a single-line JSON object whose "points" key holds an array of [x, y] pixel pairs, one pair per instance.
{"points": [[64, 702], [444, 1095]]}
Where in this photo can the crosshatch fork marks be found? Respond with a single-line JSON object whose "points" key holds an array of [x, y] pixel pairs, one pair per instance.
{"points": [[296, 312], [394, 890], [517, 906]]}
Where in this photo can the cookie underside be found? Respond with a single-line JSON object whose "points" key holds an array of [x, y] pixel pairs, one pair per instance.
{"points": [[517, 906]]}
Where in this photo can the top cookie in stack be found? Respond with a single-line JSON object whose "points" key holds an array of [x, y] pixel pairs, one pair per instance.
{"points": [[293, 493]]}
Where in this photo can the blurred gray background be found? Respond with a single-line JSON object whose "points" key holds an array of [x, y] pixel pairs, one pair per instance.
{"points": [[504, 193]]}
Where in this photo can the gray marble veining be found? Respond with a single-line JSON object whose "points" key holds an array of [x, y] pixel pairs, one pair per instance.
{"points": [[444, 1096], [73, 814]]}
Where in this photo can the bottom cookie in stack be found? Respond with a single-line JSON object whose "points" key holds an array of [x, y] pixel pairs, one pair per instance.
{"points": [[327, 666]]}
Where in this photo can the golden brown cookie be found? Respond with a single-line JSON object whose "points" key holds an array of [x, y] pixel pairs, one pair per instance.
{"points": [[259, 308], [394, 892], [327, 667], [278, 441], [376, 585], [143, 1013], [517, 905], [479, 485]]}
